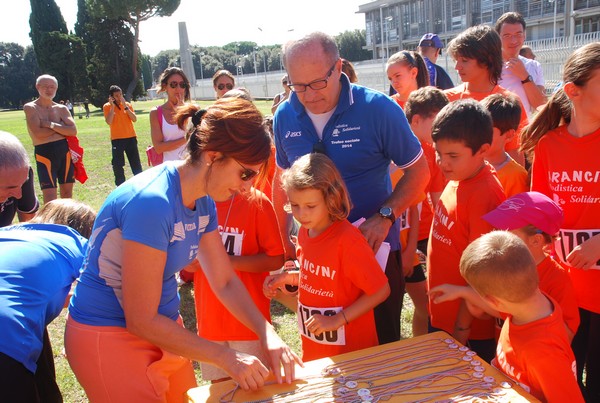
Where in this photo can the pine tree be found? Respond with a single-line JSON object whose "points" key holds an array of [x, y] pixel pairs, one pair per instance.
{"points": [[57, 52], [133, 12]]}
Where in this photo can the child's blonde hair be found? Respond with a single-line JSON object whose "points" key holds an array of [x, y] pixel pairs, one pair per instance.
{"points": [[69, 212], [317, 171], [499, 264]]}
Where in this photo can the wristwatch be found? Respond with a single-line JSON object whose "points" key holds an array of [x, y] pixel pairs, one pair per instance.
{"points": [[527, 80], [387, 212]]}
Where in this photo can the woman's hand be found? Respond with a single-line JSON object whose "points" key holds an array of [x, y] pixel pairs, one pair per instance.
{"points": [[280, 355], [246, 370]]}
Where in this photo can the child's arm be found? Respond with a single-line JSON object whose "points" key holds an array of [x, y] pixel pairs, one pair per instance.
{"points": [[477, 305], [462, 325], [408, 254], [318, 324], [585, 255], [275, 281], [258, 263]]}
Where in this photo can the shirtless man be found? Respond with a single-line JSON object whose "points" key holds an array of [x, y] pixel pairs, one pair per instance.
{"points": [[48, 124]]}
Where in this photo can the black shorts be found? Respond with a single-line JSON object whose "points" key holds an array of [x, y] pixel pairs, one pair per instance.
{"points": [[54, 164], [418, 274]]}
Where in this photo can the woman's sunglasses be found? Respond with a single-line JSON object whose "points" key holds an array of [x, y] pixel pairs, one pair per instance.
{"points": [[221, 86], [248, 174], [174, 84]]}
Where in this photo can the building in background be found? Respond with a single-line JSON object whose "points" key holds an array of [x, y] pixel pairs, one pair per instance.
{"points": [[392, 25]]}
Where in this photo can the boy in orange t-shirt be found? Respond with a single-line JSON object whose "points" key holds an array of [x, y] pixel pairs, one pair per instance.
{"points": [[536, 219], [421, 108], [477, 52], [462, 133], [505, 111], [533, 348]]}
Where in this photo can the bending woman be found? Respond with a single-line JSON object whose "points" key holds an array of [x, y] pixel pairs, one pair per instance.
{"points": [[124, 338]]}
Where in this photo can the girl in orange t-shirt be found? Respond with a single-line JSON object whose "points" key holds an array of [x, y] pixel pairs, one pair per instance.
{"points": [[564, 139], [407, 72], [340, 281]]}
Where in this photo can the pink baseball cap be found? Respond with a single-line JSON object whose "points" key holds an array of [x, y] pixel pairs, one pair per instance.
{"points": [[527, 208]]}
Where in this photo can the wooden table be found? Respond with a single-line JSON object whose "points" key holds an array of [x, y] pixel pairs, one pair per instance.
{"points": [[429, 368]]}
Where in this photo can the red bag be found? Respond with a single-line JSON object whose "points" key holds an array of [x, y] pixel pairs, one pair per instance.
{"points": [[155, 158]]}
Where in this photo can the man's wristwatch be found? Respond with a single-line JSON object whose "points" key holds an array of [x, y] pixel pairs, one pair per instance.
{"points": [[387, 212], [527, 80]]}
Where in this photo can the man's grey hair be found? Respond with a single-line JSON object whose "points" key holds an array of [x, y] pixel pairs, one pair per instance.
{"points": [[46, 76], [327, 42], [12, 152]]}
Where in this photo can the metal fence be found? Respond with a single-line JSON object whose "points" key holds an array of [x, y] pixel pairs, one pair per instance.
{"points": [[551, 53]]}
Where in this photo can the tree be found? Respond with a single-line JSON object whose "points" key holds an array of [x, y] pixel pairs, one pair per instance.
{"points": [[17, 75], [45, 17], [164, 59], [146, 71], [351, 45], [133, 12], [57, 52], [111, 43]]}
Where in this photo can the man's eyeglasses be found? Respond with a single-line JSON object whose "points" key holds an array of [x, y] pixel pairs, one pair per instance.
{"points": [[221, 86], [182, 84], [248, 174], [314, 85]]}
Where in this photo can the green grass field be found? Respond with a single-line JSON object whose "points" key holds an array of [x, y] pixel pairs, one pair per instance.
{"points": [[94, 137]]}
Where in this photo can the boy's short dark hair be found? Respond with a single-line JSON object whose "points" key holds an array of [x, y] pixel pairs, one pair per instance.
{"points": [[466, 121], [505, 111], [500, 264], [511, 17], [113, 89], [483, 44], [425, 102]]}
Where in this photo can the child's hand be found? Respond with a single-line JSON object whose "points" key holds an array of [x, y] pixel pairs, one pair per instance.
{"points": [[445, 293], [318, 324], [585, 255], [272, 283]]}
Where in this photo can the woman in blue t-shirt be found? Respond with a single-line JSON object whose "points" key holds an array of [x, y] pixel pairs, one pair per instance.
{"points": [[124, 335]]}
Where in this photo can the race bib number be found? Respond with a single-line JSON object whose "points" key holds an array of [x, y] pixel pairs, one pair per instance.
{"points": [[569, 239], [232, 243], [334, 337]]}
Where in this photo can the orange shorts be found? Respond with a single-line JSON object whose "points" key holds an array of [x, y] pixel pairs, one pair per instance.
{"points": [[112, 365]]}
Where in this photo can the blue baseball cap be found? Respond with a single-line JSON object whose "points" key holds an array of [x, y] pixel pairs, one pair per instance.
{"points": [[431, 41]]}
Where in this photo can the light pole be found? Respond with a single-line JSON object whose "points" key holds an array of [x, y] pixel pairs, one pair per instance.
{"points": [[201, 76], [280, 54], [265, 68], [254, 57], [388, 20], [382, 58], [554, 26]]}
